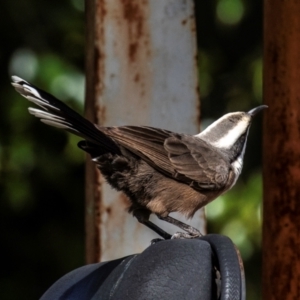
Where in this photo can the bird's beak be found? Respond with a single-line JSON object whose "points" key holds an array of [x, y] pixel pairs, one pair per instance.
{"points": [[256, 110]]}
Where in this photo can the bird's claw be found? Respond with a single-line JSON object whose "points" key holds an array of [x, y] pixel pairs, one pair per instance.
{"points": [[194, 232], [185, 235]]}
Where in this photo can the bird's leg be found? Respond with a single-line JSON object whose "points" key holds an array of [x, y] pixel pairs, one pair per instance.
{"points": [[192, 232], [157, 229], [142, 216]]}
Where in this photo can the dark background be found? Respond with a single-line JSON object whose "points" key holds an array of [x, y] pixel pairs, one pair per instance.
{"points": [[42, 182]]}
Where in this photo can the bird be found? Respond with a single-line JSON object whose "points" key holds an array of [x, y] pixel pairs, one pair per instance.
{"points": [[160, 171]]}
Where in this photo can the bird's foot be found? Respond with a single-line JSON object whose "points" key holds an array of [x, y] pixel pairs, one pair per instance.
{"points": [[193, 231], [190, 230], [185, 235]]}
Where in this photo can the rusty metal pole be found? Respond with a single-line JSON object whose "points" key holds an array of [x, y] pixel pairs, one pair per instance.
{"points": [[92, 237], [281, 225], [141, 70]]}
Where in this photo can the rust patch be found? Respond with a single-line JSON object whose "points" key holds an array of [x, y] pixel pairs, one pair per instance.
{"points": [[133, 50], [98, 213], [98, 85], [99, 43], [129, 21], [134, 13], [92, 191], [137, 77], [95, 18], [101, 8], [101, 113]]}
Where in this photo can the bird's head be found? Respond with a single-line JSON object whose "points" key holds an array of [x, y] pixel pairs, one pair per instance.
{"points": [[229, 133]]}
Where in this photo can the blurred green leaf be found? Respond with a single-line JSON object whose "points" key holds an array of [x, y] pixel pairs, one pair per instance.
{"points": [[230, 12]]}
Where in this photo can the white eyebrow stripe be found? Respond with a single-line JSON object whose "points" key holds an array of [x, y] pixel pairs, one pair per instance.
{"points": [[232, 135]]}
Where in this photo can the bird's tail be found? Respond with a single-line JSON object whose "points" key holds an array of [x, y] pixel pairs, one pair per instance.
{"points": [[57, 114]]}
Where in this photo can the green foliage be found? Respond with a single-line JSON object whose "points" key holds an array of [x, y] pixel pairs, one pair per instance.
{"points": [[41, 179], [230, 12]]}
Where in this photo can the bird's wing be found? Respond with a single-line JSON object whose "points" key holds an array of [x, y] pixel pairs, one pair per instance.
{"points": [[183, 157], [196, 160], [145, 142]]}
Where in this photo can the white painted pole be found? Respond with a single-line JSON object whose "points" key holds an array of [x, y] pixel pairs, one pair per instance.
{"points": [[141, 70]]}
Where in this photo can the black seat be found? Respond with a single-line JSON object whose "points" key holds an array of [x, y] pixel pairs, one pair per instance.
{"points": [[166, 270]]}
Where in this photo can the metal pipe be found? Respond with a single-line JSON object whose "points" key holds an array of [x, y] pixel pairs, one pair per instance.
{"points": [[141, 70], [281, 174]]}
